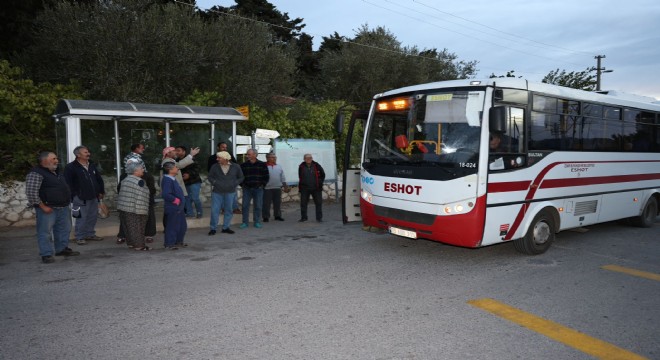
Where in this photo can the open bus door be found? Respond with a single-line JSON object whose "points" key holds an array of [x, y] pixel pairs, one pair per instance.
{"points": [[350, 195]]}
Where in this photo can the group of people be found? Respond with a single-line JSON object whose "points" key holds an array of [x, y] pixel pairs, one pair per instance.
{"points": [[78, 190], [262, 185]]}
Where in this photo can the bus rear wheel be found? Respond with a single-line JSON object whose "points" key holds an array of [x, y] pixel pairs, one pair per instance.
{"points": [[539, 236], [648, 215]]}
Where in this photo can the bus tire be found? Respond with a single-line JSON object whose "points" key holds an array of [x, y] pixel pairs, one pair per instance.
{"points": [[539, 236], [648, 215]]}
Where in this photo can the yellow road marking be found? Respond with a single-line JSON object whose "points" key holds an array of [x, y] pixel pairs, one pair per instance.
{"points": [[633, 272], [575, 339]]}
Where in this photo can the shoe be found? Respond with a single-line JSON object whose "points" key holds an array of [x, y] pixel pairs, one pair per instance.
{"points": [[257, 225], [228, 231], [121, 240], [279, 219], [302, 220], [67, 252], [265, 219], [238, 211], [94, 238], [171, 248], [212, 232], [199, 216], [144, 248], [81, 242], [243, 226], [47, 259], [148, 239]]}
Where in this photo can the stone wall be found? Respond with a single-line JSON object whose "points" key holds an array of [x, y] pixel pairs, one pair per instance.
{"points": [[14, 211]]}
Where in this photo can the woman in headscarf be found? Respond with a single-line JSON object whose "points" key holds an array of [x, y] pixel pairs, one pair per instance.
{"points": [[133, 206]]}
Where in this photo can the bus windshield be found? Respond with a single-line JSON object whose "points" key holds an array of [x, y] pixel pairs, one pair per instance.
{"points": [[427, 130]]}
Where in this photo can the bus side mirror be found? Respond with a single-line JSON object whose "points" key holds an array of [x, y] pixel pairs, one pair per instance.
{"points": [[339, 123], [497, 119]]}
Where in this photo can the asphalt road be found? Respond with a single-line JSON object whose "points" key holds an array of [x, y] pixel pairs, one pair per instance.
{"points": [[327, 291]]}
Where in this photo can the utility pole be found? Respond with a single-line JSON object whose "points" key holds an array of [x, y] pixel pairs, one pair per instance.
{"points": [[599, 70]]}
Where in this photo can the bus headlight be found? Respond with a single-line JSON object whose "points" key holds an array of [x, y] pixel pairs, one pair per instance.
{"points": [[366, 196], [457, 208]]}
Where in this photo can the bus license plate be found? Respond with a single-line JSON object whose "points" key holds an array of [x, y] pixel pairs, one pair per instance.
{"points": [[401, 232]]}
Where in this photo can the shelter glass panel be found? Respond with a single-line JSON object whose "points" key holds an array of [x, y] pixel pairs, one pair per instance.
{"points": [[150, 134], [99, 137]]}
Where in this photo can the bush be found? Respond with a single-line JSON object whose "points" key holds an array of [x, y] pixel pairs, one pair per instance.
{"points": [[25, 116]]}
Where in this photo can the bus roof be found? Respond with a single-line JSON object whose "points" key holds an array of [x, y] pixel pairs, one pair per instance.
{"points": [[609, 97]]}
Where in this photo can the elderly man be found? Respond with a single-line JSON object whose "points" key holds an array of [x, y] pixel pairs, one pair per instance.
{"points": [[47, 191], [256, 177], [224, 178], [311, 177], [87, 189], [273, 190]]}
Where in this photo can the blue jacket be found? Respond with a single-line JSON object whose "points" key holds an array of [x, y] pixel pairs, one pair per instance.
{"points": [[172, 190]]}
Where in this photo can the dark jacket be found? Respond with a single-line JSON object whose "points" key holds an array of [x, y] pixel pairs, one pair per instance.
{"points": [[256, 174], [213, 159], [85, 184], [193, 174], [54, 190], [311, 180], [224, 184]]}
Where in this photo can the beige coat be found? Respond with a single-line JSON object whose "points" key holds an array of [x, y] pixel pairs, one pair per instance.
{"points": [[179, 164]]}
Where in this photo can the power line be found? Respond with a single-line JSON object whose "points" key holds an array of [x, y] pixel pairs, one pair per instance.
{"points": [[467, 35], [344, 40], [500, 31]]}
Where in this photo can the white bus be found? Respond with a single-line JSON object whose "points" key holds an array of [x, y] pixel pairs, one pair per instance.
{"points": [[475, 163]]}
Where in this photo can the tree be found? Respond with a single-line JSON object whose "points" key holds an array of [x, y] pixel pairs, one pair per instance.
{"points": [[375, 61], [583, 80], [25, 117], [284, 28], [146, 51], [509, 74]]}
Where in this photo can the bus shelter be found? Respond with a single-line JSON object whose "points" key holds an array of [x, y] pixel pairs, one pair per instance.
{"points": [[109, 129]]}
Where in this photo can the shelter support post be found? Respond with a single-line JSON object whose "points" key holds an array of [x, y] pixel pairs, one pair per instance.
{"points": [[73, 136], [118, 163]]}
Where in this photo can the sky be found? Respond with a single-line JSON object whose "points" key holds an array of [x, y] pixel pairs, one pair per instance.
{"points": [[529, 36]]}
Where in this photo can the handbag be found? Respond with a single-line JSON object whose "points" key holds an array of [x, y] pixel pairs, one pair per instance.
{"points": [[104, 212]]}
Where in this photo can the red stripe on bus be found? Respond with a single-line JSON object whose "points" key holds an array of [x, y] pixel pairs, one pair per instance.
{"points": [[539, 178], [508, 186], [530, 195], [597, 180]]}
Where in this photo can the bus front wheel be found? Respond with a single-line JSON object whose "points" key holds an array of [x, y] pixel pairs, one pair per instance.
{"points": [[539, 236], [648, 215]]}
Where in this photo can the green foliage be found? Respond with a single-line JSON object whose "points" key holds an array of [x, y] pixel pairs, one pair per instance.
{"points": [[203, 98], [304, 120], [374, 61], [582, 80], [142, 51], [25, 115]]}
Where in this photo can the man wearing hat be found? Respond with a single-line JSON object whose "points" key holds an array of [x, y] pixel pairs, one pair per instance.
{"points": [[224, 177], [169, 155]]}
